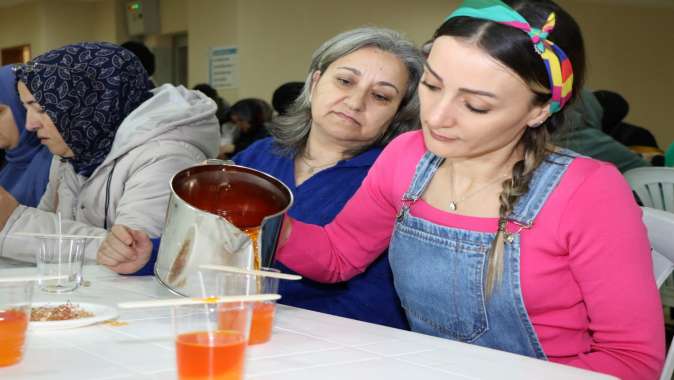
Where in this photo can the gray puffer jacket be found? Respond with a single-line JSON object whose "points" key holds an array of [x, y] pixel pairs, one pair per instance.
{"points": [[173, 130]]}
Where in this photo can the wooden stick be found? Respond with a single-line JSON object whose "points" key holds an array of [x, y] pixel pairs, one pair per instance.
{"points": [[36, 234], [32, 278], [198, 301], [260, 273]]}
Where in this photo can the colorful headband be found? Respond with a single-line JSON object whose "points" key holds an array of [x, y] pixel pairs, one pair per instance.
{"points": [[556, 62]]}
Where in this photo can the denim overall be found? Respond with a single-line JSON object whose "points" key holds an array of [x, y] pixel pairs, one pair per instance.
{"points": [[439, 271]]}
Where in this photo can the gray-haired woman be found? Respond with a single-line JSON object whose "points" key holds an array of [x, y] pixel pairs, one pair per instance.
{"points": [[313, 117], [360, 93]]}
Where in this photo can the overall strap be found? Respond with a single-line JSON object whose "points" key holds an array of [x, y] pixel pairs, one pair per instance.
{"points": [[544, 181], [423, 174]]}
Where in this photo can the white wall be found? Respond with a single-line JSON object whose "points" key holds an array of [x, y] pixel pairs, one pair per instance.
{"points": [[630, 44]]}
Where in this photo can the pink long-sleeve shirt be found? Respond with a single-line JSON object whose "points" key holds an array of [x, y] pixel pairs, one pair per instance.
{"points": [[586, 270]]}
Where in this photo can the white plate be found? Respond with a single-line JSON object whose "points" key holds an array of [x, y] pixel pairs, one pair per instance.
{"points": [[101, 313]]}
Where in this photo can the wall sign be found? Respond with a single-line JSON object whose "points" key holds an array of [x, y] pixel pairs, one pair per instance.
{"points": [[223, 67]]}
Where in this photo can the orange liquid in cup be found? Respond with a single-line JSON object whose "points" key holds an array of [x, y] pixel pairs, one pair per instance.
{"points": [[260, 325], [231, 319], [263, 318], [13, 324], [218, 355]]}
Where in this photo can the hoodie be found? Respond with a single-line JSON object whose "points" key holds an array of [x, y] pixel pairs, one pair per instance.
{"points": [[586, 137], [176, 128]]}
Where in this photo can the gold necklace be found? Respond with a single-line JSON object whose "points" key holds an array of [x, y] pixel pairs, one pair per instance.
{"points": [[313, 168], [454, 204]]}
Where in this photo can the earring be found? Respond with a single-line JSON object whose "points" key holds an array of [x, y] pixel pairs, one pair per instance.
{"points": [[536, 124]]}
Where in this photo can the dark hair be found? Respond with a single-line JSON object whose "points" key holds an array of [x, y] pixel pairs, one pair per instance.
{"points": [[144, 54], [266, 109], [285, 95], [514, 48], [207, 90], [222, 113], [615, 108], [253, 111]]}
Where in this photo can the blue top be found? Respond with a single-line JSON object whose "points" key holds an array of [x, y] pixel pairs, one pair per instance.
{"points": [[368, 297], [26, 171]]}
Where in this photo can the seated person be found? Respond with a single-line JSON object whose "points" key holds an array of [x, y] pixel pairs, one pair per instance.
{"points": [[284, 97], [360, 93], [115, 144], [585, 136], [616, 108], [250, 116], [144, 54], [26, 170], [495, 236]]}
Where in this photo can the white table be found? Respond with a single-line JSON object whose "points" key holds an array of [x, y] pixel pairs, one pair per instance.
{"points": [[304, 345]]}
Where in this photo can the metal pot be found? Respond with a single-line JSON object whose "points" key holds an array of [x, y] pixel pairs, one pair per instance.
{"points": [[213, 212]]}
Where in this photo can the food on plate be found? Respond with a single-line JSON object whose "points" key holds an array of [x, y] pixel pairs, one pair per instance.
{"points": [[63, 312]]}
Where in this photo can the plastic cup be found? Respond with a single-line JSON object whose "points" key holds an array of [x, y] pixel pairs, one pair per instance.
{"points": [[62, 257], [205, 350], [208, 346], [15, 299], [262, 319], [263, 312]]}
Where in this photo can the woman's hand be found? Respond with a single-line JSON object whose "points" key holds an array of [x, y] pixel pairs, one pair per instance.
{"points": [[7, 206], [125, 250]]}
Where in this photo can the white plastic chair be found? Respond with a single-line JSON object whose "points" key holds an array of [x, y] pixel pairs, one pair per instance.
{"points": [[660, 226], [653, 186]]}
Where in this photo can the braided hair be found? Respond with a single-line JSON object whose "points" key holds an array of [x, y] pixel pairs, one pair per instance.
{"points": [[514, 48]]}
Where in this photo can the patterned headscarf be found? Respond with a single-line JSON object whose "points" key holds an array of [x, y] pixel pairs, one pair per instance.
{"points": [[87, 89], [557, 64]]}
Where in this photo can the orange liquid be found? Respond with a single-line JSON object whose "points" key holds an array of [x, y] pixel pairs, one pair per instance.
{"points": [[254, 233], [235, 193], [261, 323], [241, 195], [263, 318], [214, 356], [231, 319], [13, 324]]}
